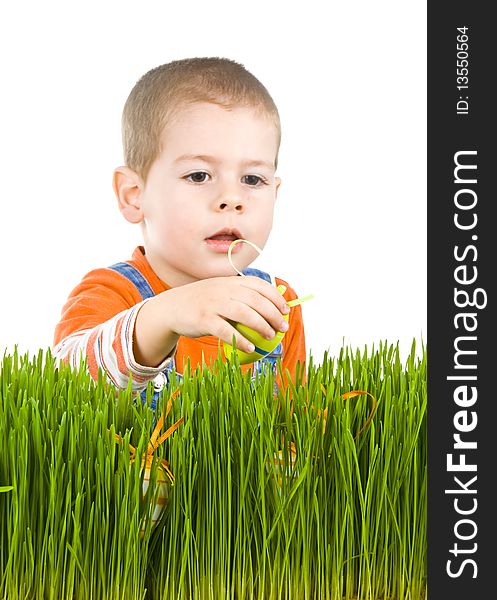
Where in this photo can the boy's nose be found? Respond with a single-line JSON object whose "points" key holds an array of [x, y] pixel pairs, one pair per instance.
{"points": [[230, 200]]}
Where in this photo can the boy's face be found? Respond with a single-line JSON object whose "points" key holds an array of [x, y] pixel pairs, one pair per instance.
{"points": [[213, 182]]}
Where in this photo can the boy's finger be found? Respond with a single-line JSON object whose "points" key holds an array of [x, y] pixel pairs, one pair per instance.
{"points": [[269, 291], [225, 331], [256, 311]]}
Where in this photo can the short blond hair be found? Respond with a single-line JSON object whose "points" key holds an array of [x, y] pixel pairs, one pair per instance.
{"points": [[164, 90]]}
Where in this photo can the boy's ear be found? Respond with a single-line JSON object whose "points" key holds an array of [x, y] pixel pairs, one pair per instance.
{"points": [[128, 187], [277, 181]]}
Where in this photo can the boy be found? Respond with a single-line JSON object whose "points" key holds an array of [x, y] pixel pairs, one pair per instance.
{"points": [[201, 139]]}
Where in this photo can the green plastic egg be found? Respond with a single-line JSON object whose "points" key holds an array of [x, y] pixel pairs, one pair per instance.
{"points": [[263, 347]]}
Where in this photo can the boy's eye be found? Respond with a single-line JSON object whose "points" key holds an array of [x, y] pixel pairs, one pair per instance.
{"points": [[202, 177], [197, 177], [253, 180]]}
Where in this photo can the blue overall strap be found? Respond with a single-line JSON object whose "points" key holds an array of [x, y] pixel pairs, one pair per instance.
{"points": [[257, 273], [136, 278], [142, 285]]}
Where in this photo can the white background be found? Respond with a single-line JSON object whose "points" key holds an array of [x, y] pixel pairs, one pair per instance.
{"points": [[349, 79]]}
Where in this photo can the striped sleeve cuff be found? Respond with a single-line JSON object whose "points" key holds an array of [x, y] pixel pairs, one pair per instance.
{"points": [[109, 348]]}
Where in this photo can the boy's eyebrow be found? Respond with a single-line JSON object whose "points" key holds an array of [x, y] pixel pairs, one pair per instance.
{"points": [[212, 159]]}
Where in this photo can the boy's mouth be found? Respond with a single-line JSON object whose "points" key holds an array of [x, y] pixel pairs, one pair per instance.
{"points": [[221, 240]]}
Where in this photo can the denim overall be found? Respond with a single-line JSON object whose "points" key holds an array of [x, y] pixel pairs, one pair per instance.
{"points": [[142, 285]]}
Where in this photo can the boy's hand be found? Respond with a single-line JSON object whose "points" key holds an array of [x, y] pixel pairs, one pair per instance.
{"points": [[205, 308]]}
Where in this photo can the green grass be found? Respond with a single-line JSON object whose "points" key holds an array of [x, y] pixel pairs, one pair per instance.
{"points": [[347, 520]]}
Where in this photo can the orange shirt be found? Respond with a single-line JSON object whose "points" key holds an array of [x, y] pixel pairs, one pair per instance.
{"points": [[98, 318]]}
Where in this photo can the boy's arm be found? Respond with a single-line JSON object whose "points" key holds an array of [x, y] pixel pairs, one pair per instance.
{"points": [[109, 347], [106, 322], [97, 324]]}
